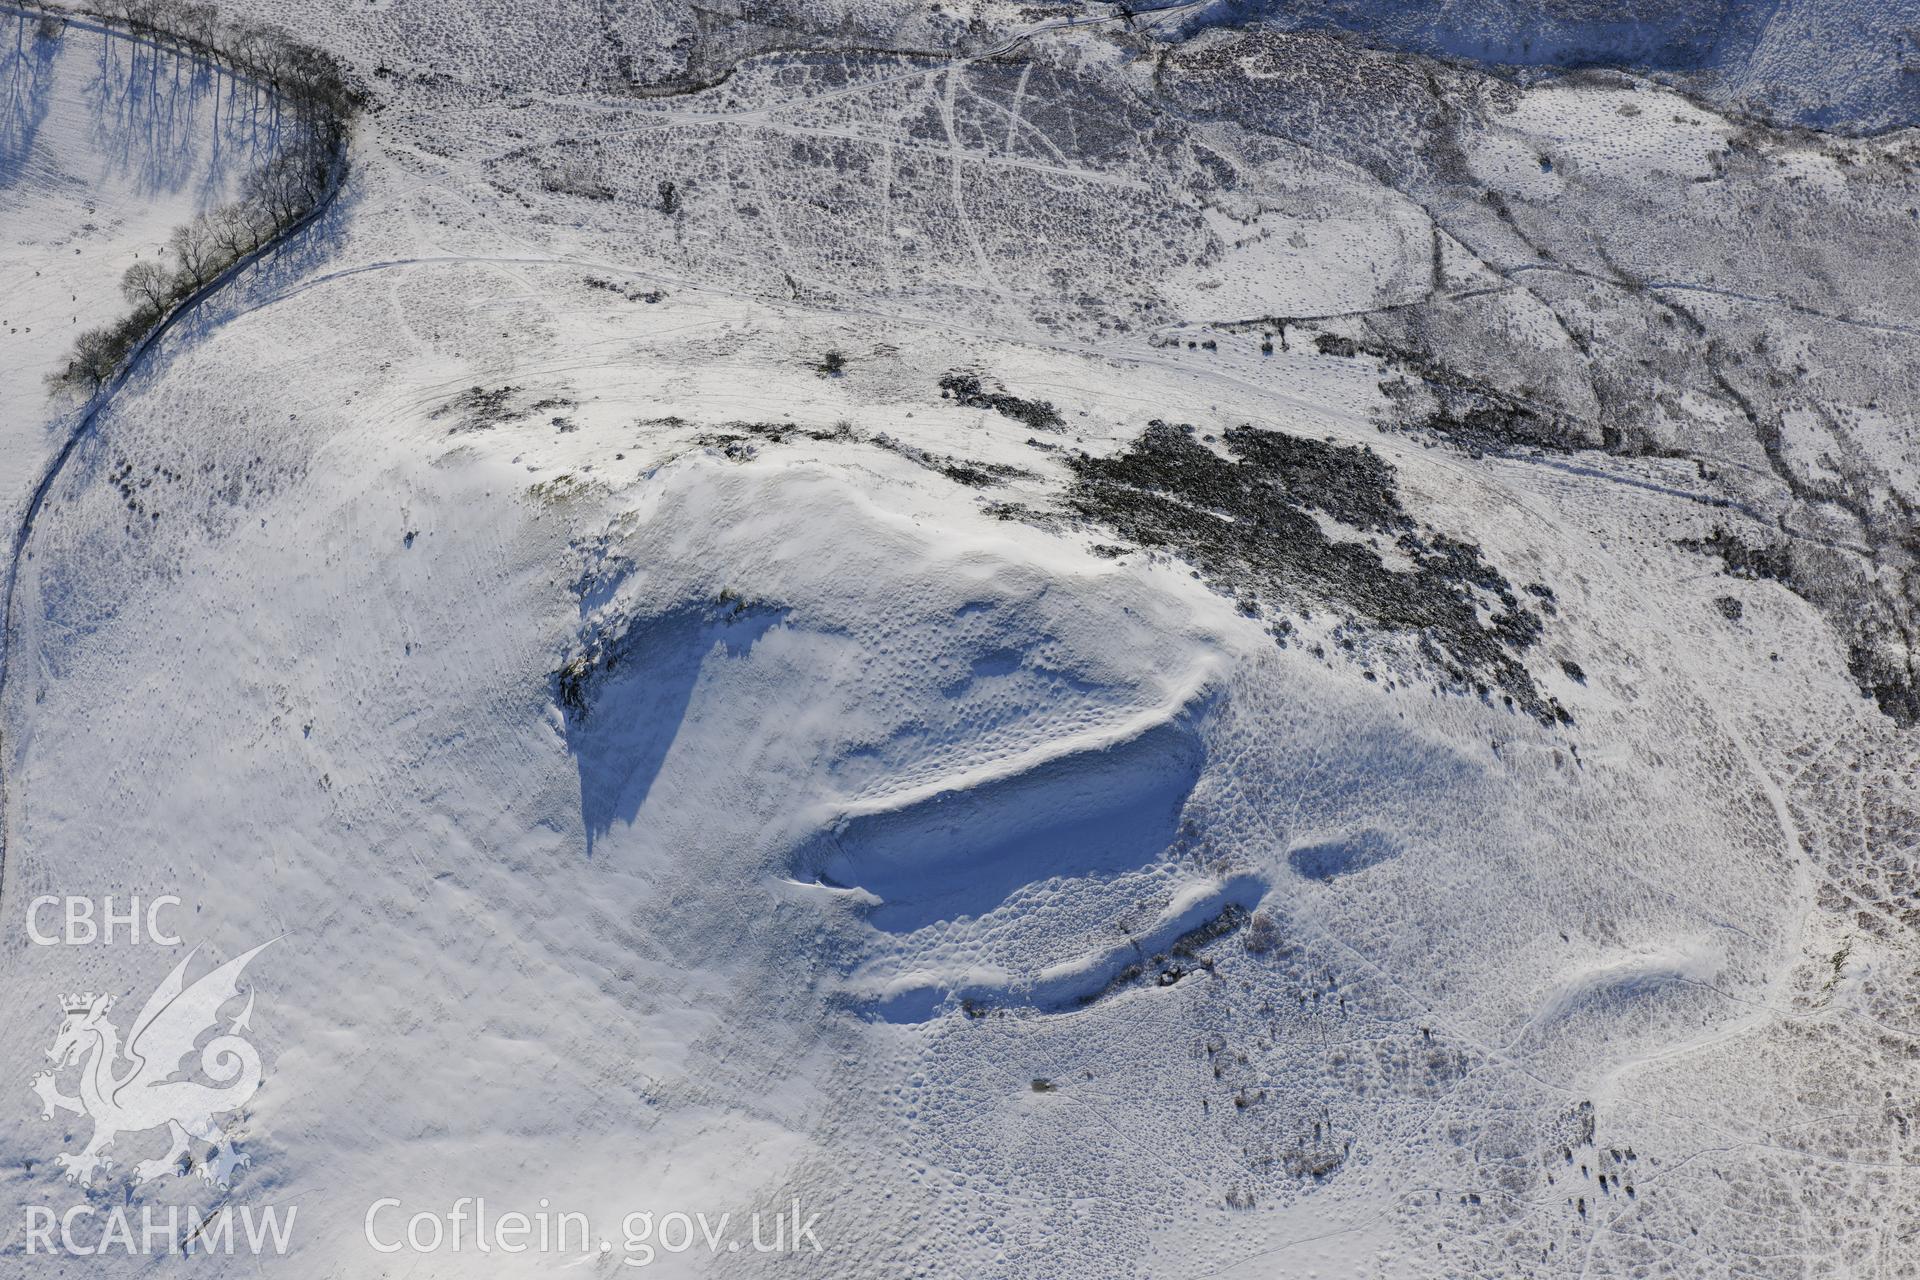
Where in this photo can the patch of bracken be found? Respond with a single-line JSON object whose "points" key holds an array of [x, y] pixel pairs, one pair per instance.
{"points": [[1354, 486], [1771, 561], [1244, 521], [1476, 418], [484, 408], [1880, 637], [970, 472], [1465, 411], [480, 408], [1880, 659], [968, 390]]}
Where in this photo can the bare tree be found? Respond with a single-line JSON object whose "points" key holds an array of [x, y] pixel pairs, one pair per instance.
{"points": [[245, 42], [238, 229], [147, 283], [200, 22], [278, 187], [141, 15], [192, 244], [97, 353]]}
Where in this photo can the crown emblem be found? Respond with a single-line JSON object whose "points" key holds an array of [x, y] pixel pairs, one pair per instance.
{"points": [[145, 1096]]}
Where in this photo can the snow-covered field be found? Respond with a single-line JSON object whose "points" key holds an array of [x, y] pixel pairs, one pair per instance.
{"points": [[107, 145], [1089, 656]]}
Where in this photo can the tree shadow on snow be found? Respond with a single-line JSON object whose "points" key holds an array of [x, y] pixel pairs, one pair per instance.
{"points": [[26, 79]]}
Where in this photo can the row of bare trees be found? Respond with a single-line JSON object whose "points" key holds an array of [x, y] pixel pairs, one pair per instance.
{"points": [[283, 190], [312, 80]]}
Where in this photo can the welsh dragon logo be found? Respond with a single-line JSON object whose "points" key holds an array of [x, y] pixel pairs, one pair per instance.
{"points": [[134, 1089]]}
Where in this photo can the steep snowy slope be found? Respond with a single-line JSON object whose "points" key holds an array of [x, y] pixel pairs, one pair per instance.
{"points": [[1113, 659], [1831, 66]]}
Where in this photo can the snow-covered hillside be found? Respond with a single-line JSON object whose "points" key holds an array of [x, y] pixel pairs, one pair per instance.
{"points": [[1088, 646], [1848, 66]]}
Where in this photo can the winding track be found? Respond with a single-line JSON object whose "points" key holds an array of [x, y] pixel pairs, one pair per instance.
{"points": [[89, 413]]}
